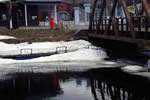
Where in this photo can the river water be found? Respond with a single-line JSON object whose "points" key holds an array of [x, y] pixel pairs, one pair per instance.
{"points": [[91, 81], [92, 84]]}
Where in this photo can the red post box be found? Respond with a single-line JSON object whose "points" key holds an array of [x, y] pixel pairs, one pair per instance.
{"points": [[52, 22]]}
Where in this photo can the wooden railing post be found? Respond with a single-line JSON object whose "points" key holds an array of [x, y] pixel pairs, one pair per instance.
{"points": [[127, 27], [139, 24], [117, 22], [105, 24], [122, 25], [102, 25], [146, 24]]}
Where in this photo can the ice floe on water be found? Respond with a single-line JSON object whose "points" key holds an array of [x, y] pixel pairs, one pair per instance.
{"points": [[4, 37], [132, 68]]}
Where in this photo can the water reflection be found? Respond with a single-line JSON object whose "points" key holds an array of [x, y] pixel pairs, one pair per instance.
{"points": [[112, 84], [99, 84]]}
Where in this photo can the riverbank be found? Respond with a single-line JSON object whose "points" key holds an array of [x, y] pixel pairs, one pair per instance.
{"points": [[36, 35], [36, 38]]}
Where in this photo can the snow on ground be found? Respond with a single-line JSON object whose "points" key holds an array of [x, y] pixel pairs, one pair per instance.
{"points": [[3, 37], [79, 55], [79, 47], [41, 47]]}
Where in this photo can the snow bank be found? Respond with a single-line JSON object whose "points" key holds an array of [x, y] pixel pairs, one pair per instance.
{"points": [[132, 68], [79, 52], [41, 47], [3, 37], [79, 55]]}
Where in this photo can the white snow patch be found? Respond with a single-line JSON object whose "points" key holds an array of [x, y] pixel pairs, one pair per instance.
{"points": [[41, 47], [79, 55], [110, 63], [3, 37], [3, 0], [132, 68]]}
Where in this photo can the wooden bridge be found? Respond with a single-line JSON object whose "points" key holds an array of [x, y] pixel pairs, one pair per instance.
{"points": [[133, 29]]}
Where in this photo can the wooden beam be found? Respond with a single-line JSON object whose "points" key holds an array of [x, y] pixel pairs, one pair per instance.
{"points": [[147, 8], [128, 18], [112, 17], [92, 14], [101, 15]]}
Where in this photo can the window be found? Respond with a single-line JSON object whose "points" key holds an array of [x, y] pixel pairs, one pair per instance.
{"points": [[4, 17]]}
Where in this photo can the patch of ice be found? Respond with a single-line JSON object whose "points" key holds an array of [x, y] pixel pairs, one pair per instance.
{"points": [[132, 68]]}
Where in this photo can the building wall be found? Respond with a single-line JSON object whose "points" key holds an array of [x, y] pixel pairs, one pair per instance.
{"points": [[17, 15], [37, 13], [65, 11]]}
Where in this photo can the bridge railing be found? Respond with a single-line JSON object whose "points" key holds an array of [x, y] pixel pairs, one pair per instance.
{"points": [[141, 26]]}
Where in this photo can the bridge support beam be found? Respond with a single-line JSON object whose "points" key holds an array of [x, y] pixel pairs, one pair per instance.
{"points": [[100, 16], [147, 8], [112, 17], [130, 23], [92, 14]]}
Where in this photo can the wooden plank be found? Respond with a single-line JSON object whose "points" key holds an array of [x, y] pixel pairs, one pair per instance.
{"points": [[101, 15], [92, 15], [112, 17], [139, 24], [119, 38], [110, 37], [129, 19], [105, 23], [146, 24], [102, 25], [122, 25], [142, 44]]}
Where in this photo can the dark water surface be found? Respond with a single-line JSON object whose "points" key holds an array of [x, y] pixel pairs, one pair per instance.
{"points": [[96, 84]]}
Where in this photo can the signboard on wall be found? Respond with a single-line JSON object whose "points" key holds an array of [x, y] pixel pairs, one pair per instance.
{"points": [[131, 9]]}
